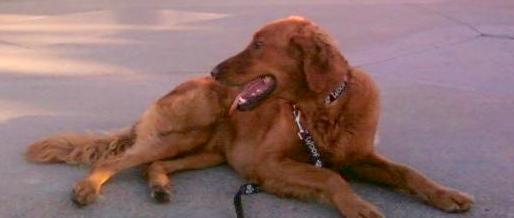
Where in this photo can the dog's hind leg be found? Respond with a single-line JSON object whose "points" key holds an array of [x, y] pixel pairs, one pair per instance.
{"points": [[176, 124], [87, 190], [145, 150], [158, 171]]}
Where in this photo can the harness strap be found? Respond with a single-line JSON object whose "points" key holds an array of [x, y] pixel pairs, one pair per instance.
{"points": [[307, 141]]}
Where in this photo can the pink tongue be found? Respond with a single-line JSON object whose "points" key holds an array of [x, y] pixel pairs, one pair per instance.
{"points": [[251, 87], [246, 95]]}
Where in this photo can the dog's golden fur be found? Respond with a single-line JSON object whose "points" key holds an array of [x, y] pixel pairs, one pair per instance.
{"points": [[190, 126], [86, 148]]}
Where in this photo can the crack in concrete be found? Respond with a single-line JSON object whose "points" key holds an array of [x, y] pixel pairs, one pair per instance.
{"points": [[420, 51], [460, 22], [497, 36], [9, 43], [13, 44], [479, 34]]}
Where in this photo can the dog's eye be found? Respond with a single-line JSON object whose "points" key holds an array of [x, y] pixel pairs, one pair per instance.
{"points": [[258, 44]]}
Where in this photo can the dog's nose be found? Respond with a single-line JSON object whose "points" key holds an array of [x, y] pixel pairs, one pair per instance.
{"points": [[215, 71]]}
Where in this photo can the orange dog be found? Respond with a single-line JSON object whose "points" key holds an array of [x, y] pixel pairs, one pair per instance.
{"points": [[289, 62]]}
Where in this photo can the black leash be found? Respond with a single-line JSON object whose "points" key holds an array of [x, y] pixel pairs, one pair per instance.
{"points": [[245, 189], [310, 145]]}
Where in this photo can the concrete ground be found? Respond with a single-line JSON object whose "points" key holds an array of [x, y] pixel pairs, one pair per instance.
{"points": [[445, 68]]}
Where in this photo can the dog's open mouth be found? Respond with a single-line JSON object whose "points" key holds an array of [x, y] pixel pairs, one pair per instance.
{"points": [[253, 93]]}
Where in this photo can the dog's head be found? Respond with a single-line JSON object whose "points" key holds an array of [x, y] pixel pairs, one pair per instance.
{"points": [[291, 58]]}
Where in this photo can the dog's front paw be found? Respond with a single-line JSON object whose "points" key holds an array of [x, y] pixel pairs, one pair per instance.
{"points": [[363, 210], [451, 201], [84, 193]]}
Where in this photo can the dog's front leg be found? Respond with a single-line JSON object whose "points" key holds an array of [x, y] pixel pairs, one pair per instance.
{"points": [[288, 178], [380, 170]]}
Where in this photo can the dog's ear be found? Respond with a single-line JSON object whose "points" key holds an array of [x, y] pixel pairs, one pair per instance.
{"points": [[315, 53]]}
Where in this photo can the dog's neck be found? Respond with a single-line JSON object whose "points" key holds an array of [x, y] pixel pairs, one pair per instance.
{"points": [[337, 83], [331, 97], [336, 92], [335, 88]]}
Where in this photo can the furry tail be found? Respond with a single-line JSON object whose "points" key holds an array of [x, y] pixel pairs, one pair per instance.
{"points": [[85, 149]]}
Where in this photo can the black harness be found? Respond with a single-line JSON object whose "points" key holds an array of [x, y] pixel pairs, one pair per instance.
{"points": [[307, 141]]}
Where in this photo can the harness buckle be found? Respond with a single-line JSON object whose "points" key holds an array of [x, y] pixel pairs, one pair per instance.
{"points": [[297, 119]]}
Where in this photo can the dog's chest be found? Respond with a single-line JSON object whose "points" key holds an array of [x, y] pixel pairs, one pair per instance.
{"points": [[324, 128], [329, 134]]}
